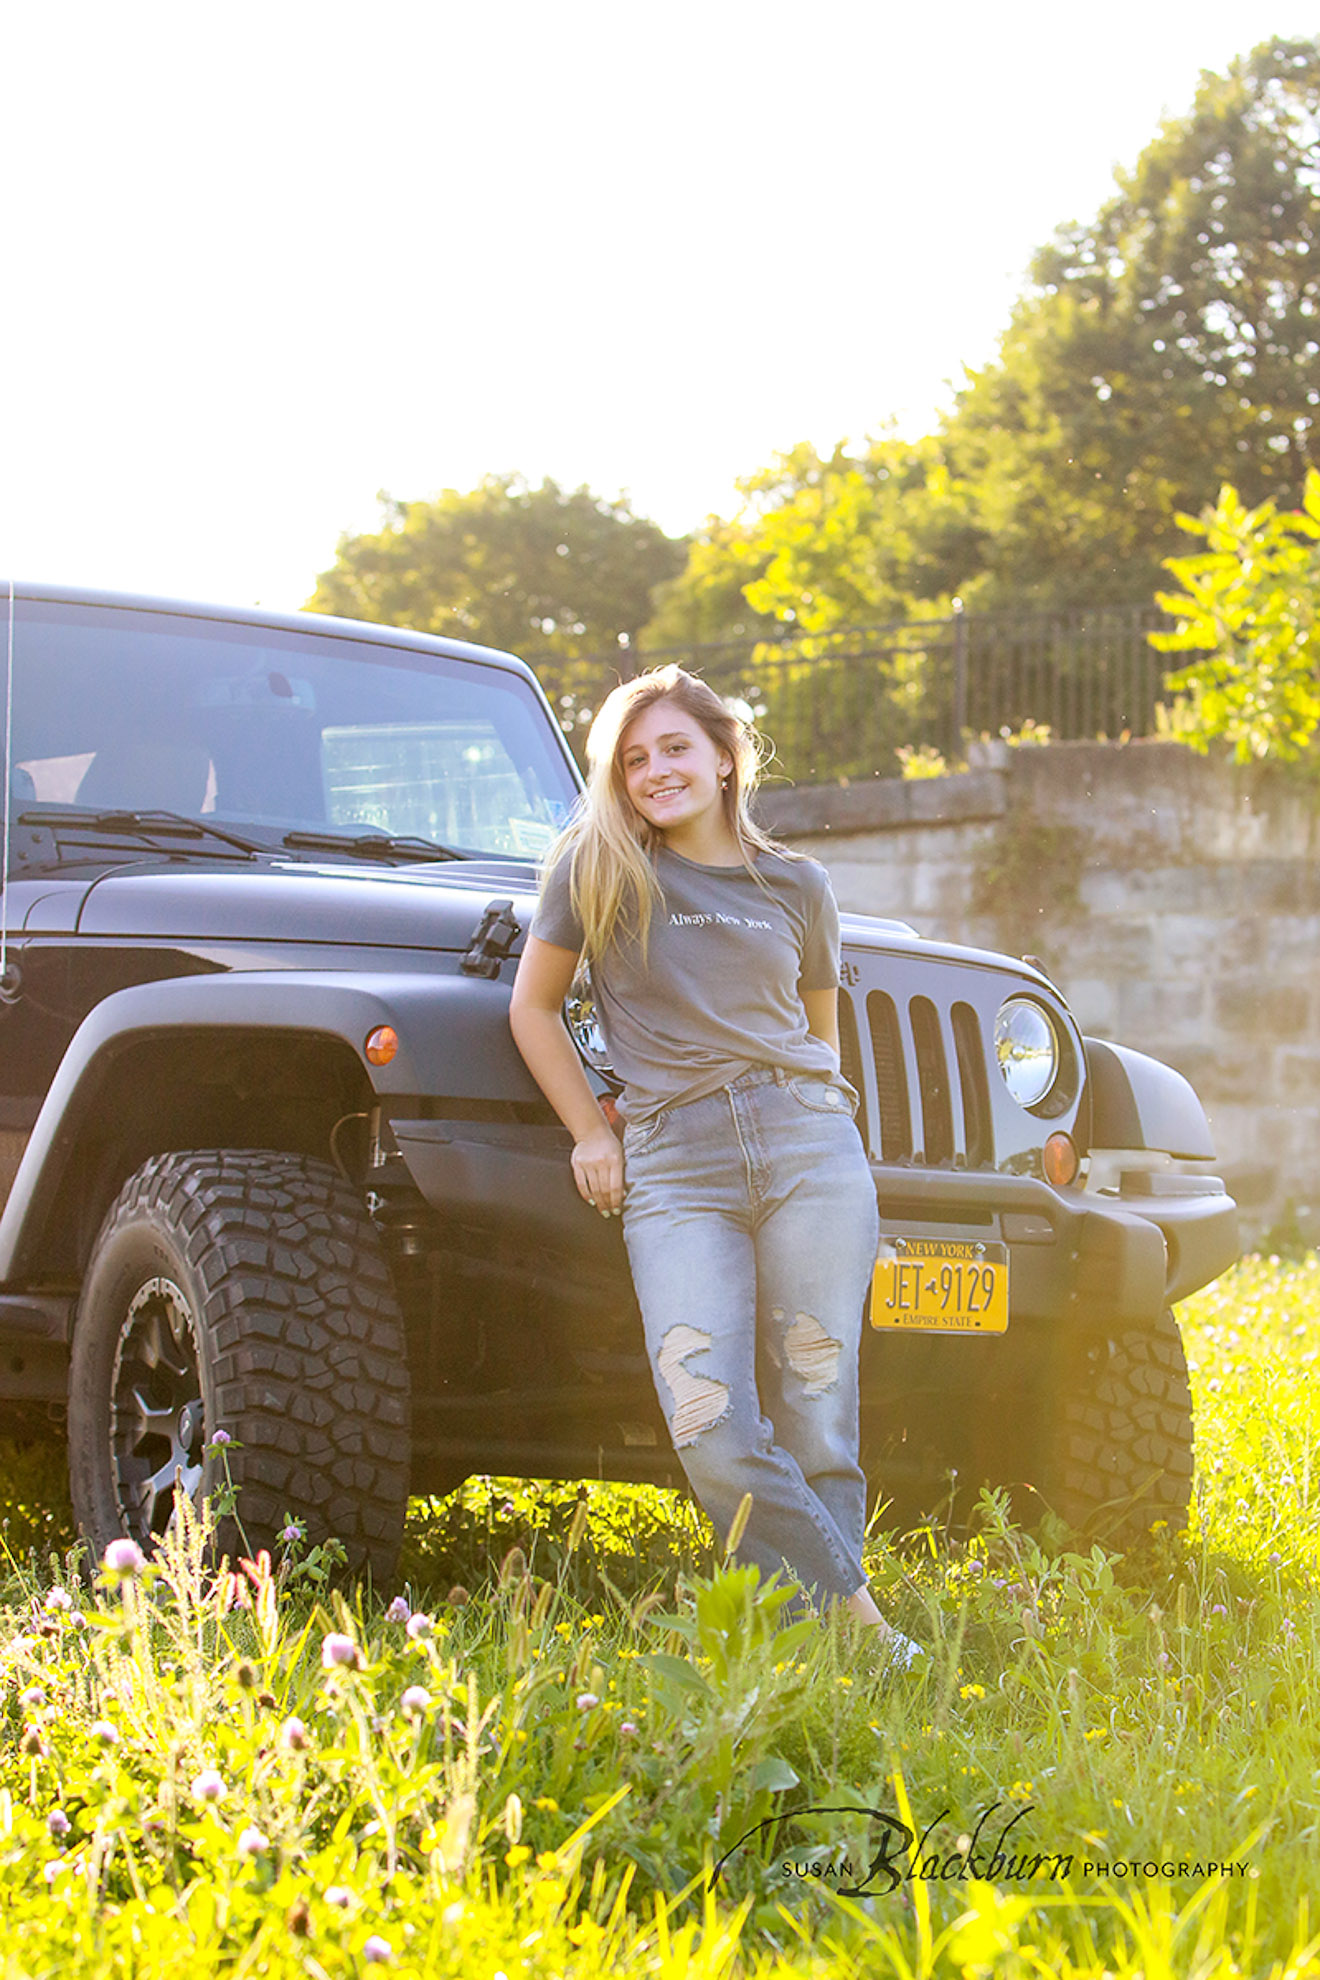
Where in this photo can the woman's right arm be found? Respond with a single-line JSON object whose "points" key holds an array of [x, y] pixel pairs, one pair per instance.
{"points": [[545, 975]]}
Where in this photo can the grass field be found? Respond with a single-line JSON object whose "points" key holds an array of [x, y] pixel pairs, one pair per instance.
{"points": [[533, 1760]]}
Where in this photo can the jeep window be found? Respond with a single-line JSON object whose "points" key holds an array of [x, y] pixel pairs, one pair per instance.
{"points": [[140, 710], [452, 781]]}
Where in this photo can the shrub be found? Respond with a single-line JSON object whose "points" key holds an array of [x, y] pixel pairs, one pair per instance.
{"points": [[1248, 610]]}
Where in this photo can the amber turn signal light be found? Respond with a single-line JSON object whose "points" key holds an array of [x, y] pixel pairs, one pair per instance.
{"points": [[381, 1045], [1061, 1160]]}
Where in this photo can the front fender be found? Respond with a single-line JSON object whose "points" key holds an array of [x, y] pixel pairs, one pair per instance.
{"points": [[1137, 1102], [454, 1039]]}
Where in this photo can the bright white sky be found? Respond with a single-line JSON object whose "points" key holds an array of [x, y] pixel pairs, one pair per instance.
{"points": [[263, 260]]}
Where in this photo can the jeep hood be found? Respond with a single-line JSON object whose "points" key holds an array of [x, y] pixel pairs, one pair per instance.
{"points": [[349, 905]]}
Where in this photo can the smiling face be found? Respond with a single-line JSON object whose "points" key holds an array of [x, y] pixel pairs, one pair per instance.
{"points": [[672, 771]]}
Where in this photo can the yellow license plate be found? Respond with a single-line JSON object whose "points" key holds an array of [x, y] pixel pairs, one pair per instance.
{"points": [[941, 1286]]}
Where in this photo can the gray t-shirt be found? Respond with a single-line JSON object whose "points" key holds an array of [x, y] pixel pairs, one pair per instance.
{"points": [[721, 989]]}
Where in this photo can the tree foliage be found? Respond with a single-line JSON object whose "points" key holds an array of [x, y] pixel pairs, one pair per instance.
{"points": [[815, 550], [1248, 606], [544, 572], [826, 541], [1169, 344]]}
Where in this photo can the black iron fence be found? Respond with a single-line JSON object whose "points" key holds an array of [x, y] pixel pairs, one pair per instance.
{"points": [[842, 704]]}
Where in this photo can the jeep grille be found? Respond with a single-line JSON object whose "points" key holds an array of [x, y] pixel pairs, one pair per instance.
{"points": [[926, 1072]]}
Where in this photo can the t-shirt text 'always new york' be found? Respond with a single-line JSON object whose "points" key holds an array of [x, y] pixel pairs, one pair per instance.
{"points": [[721, 987]]}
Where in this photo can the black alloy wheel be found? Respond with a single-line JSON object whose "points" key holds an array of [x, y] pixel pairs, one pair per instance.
{"points": [[157, 1415], [241, 1291]]}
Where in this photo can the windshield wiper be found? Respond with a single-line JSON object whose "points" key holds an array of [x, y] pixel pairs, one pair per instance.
{"points": [[139, 824], [372, 845]]}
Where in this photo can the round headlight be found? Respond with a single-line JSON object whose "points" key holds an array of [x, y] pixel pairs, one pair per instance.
{"points": [[1027, 1048]]}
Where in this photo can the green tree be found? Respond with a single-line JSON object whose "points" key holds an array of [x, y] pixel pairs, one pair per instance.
{"points": [[823, 544], [856, 539], [1174, 340], [547, 573], [1171, 342], [1248, 609], [824, 541], [707, 599]]}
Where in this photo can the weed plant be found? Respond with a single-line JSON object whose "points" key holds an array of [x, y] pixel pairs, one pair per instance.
{"points": [[574, 1739]]}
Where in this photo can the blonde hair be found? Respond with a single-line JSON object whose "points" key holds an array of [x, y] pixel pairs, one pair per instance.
{"points": [[612, 883]]}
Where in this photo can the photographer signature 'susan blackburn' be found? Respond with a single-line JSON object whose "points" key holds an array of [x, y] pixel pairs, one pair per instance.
{"points": [[901, 1856]]}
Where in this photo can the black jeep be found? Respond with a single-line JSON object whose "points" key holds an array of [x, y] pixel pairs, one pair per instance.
{"points": [[274, 1167]]}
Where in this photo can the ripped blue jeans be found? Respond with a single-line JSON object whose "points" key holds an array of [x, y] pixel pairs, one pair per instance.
{"points": [[751, 1223]]}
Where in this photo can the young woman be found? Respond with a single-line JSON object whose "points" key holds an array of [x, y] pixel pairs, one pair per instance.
{"points": [[748, 1208]]}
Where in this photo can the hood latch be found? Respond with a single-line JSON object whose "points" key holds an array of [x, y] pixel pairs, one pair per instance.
{"points": [[492, 938]]}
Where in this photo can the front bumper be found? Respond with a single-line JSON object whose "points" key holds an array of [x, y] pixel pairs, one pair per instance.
{"points": [[1109, 1259], [1112, 1259]]}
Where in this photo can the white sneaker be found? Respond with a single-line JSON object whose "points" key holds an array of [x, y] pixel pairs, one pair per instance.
{"points": [[899, 1653]]}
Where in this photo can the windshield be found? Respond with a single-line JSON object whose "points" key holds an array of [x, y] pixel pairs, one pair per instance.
{"points": [[129, 710]]}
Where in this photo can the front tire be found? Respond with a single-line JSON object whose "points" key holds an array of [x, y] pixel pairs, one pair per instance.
{"points": [[243, 1291], [1098, 1432], [1116, 1454]]}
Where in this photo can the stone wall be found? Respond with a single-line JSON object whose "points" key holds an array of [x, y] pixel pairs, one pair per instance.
{"points": [[1174, 900]]}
